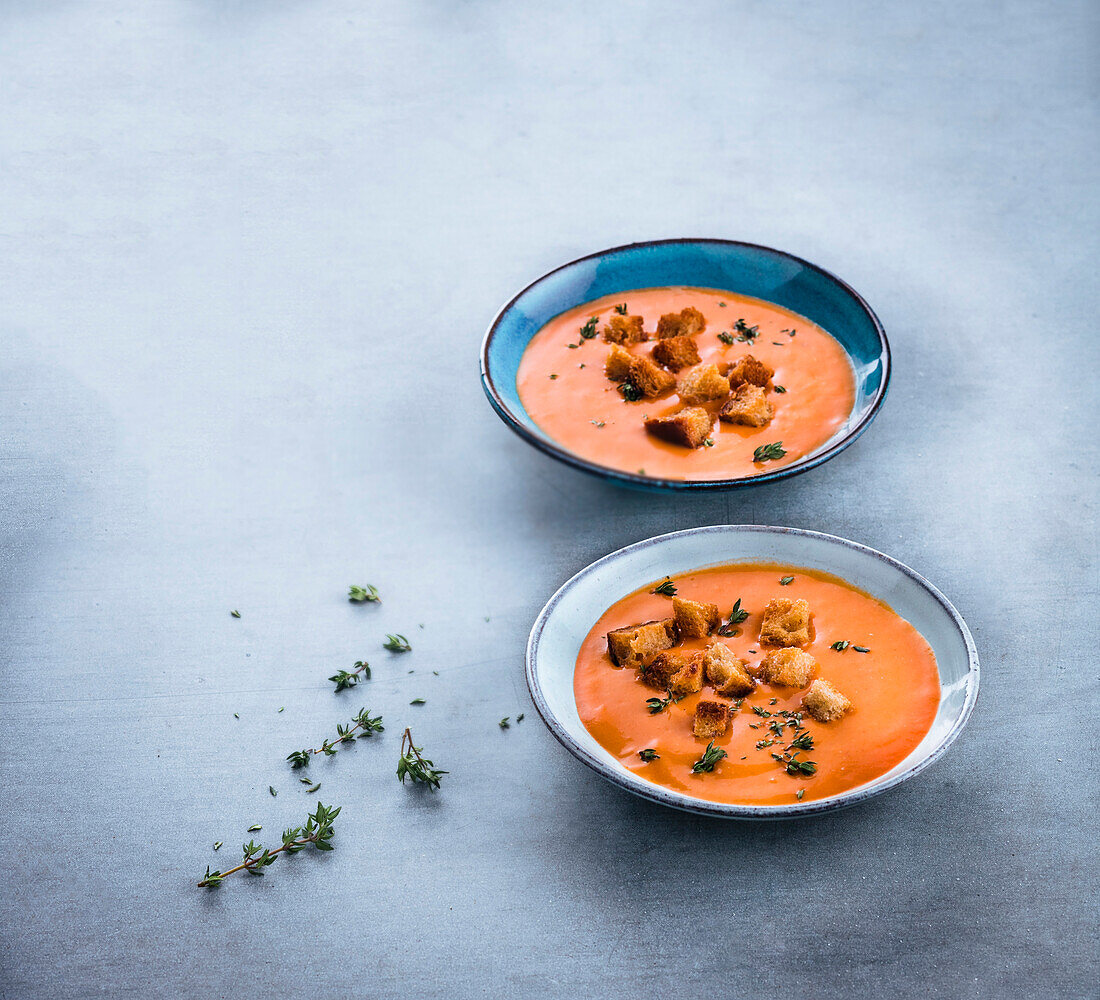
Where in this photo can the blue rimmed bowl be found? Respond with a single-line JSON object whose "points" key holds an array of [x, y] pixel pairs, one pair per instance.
{"points": [[564, 623], [739, 268]]}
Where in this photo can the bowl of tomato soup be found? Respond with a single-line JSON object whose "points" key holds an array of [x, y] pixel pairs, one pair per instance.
{"points": [[752, 672], [687, 364]]}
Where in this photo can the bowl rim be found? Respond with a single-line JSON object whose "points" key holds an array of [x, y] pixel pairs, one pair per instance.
{"points": [[729, 810], [555, 450]]}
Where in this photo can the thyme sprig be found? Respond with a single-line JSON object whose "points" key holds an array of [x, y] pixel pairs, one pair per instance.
{"points": [[349, 678], [360, 595], [415, 766], [746, 334], [588, 331], [768, 452], [397, 643], [621, 308], [361, 727], [711, 756], [667, 588], [317, 830], [737, 616], [630, 392]]}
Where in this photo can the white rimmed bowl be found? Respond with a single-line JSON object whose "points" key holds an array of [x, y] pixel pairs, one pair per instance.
{"points": [[569, 615]]}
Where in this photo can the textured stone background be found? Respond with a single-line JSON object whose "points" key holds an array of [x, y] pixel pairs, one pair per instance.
{"points": [[247, 254]]}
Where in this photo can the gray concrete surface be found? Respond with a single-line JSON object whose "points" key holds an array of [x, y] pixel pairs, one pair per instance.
{"points": [[247, 253]]}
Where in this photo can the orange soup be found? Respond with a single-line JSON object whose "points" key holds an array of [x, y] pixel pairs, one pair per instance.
{"points": [[564, 386], [776, 748]]}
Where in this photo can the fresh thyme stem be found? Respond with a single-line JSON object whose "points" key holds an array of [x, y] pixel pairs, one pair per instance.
{"points": [[363, 722], [318, 830]]}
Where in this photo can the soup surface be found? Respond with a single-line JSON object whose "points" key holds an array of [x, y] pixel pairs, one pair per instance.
{"points": [[893, 688], [567, 393]]}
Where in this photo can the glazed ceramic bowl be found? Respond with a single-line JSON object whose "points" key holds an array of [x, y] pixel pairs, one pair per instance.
{"points": [[569, 615], [741, 268]]}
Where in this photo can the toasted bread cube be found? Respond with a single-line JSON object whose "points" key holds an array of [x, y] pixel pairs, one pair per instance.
{"points": [[702, 383], [690, 426], [824, 702], [685, 323], [786, 623], [788, 667], [637, 645], [748, 369], [660, 671], [617, 365], [649, 379], [694, 620], [624, 330], [712, 718], [676, 352], [725, 671], [748, 405], [689, 678]]}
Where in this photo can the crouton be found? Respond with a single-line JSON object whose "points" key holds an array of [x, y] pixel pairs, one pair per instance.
{"points": [[676, 352], [788, 667], [786, 623], [702, 383], [824, 702], [748, 405], [748, 369], [649, 379], [617, 365], [689, 678], [624, 330], [684, 323], [690, 426], [693, 619], [673, 667], [712, 718], [636, 645], [725, 671]]}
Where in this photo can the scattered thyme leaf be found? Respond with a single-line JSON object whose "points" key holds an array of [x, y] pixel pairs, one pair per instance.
{"points": [[367, 594], [786, 580], [217, 845], [798, 795], [709, 442], [666, 589], [630, 392], [504, 723], [789, 333], [588, 331], [597, 423], [313, 788], [397, 643], [726, 338], [519, 718], [552, 377], [418, 701], [649, 754], [271, 788], [621, 308], [235, 614], [840, 645], [861, 649], [779, 388], [254, 826]]}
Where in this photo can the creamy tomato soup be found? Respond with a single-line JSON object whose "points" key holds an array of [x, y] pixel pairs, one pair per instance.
{"points": [[563, 384], [864, 669]]}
